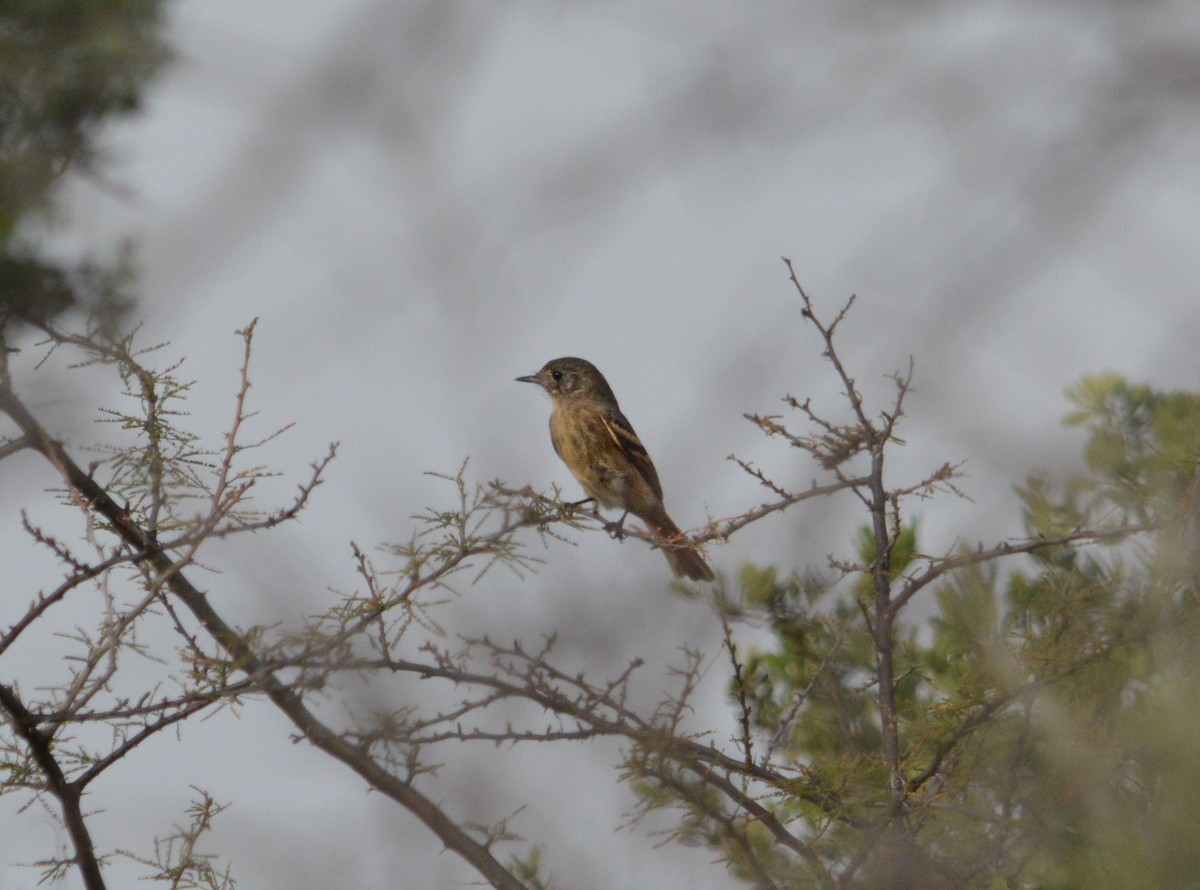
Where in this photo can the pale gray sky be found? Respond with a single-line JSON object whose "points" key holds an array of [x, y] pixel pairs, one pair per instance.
{"points": [[423, 200]]}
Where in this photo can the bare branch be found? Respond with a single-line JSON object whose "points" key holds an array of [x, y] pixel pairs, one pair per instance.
{"points": [[13, 446], [289, 702], [739, 681], [68, 794]]}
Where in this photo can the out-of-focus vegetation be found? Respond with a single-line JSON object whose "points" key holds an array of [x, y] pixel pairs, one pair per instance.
{"points": [[1048, 717], [66, 67]]}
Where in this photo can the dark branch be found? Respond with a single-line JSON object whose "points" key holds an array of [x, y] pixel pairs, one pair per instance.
{"points": [[68, 794]]}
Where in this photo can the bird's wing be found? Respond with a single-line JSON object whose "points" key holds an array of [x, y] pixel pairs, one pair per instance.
{"points": [[616, 426]]}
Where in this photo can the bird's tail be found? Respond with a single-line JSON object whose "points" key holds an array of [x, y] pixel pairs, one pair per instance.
{"points": [[687, 562], [682, 555]]}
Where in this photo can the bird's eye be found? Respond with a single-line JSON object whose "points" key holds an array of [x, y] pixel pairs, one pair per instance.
{"points": [[557, 375]]}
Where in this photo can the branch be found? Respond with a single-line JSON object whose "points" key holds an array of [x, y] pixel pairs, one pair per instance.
{"points": [[739, 681], [13, 446], [785, 719], [726, 530], [769, 820], [103, 763], [939, 567], [696, 798], [68, 794], [581, 706], [243, 655], [827, 332], [44, 601], [876, 500]]}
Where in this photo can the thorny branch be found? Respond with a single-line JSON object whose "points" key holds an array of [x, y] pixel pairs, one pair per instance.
{"points": [[68, 794], [168, 569], [735, 794]]}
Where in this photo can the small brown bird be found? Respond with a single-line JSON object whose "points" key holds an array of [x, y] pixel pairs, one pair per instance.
{"points": [[602, 451]]}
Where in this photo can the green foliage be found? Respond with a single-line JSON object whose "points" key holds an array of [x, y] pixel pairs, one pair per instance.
{"points": [[1142, 445], [1048, 712], [66, 67], [823, 655], [528, 870]]}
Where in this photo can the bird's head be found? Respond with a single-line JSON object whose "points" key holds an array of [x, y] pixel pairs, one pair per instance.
{"points": [[568, 378]]}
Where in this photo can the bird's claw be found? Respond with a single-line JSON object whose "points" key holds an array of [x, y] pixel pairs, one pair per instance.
{"points": [[616, 530]]}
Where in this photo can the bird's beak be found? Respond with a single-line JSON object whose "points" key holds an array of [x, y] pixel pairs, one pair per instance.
{"points": [[532, 378]]}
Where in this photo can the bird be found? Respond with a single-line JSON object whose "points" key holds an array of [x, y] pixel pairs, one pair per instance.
{"points": [[605, 455]]}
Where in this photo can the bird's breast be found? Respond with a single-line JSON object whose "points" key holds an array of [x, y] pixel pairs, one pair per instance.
{"points": [[589, 457]]}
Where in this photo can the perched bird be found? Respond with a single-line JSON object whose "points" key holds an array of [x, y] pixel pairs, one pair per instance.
{"points": [[602, 451]]}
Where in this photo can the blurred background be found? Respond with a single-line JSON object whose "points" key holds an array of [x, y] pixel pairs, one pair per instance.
{"points": [[423, 200]]}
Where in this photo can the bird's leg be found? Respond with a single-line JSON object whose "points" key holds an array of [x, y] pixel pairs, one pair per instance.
{"points": [[575, 505], [617, 529]]}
